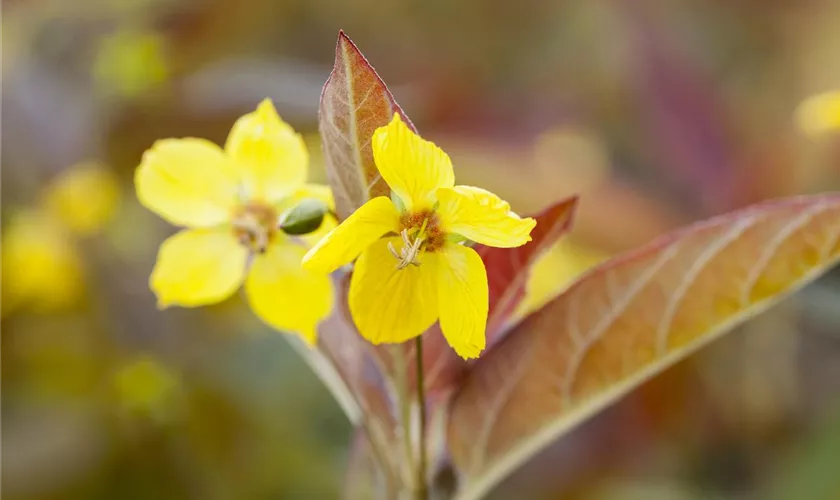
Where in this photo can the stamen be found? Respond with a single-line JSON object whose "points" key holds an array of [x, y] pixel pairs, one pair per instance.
{"points": [[406, 240], [261, 241], [253, 231], [393, 251], [409, 252]]}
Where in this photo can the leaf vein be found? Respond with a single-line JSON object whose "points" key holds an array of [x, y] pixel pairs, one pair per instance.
{"points": [[772, 248], [614, 313], [699, 264]]}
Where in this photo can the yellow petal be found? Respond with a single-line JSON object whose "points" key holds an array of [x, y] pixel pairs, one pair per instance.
{"points": [[463, 299], [197, 267], [392, 305], [271, 158], [83, 197], [317, 191], [344, 243], [413, 167], [483, 217], [188, 182], [555, 269], [820, 113], [286, 296]]}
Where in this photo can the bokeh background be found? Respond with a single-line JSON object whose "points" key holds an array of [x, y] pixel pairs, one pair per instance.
{"points": [[657, 113]]}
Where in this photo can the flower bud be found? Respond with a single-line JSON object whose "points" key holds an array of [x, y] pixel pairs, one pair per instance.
{"points": [[304, 218]]}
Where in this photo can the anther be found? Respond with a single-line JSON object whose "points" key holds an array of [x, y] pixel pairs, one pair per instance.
{"points": [[261, 241], [251, 234], [408, 253]]}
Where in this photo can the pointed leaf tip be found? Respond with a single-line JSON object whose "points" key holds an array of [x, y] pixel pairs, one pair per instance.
{"points": [[354, 103]]}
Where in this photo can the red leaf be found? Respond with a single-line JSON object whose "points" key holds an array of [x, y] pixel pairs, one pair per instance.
{"points": [[354, 103], [627, 320], [508, 268]]}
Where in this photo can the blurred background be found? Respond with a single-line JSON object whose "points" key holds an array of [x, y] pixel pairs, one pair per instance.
{"points": [[657, 113]]}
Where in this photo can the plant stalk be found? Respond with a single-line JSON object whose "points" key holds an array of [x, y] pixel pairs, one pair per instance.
{"points": [[422, 488]]}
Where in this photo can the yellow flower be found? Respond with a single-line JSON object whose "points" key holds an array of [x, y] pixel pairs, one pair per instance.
{"points": [[41, 266], [819, 114], [556, 269], [231, 201], [145, 386], [84, 197], [421, 271], [130, 62]]}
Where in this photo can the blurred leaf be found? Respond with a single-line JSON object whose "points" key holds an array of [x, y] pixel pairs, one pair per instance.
{"points": [[685, 114], [351, 369], [628, 320], [811, 470], [364, 479], [360, 477], [354, 103]]}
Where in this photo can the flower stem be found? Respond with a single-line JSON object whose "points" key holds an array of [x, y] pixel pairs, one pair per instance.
{"points": [[422, 489]]}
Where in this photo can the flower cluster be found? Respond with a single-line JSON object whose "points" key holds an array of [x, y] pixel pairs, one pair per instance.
{"points": [[415, 265], [42, 265]]}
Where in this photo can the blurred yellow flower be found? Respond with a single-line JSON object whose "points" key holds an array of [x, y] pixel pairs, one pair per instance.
{"points": [[130, 62], [83, 197], [42, 267], [819, 113], [231, 200], [397, 295], [144, 386], [554, 271]]}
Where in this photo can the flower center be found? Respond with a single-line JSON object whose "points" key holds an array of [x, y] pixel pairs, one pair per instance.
{"points": [[420, 232], [254, 225]]}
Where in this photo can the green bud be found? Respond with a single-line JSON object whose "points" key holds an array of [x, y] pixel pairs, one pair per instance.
{"points": [[304, 218]]}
